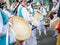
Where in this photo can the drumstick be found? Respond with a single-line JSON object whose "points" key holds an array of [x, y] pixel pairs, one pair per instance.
{"points": [[10, 23], [11, 28]]}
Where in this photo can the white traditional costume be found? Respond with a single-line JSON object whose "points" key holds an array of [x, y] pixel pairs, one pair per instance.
{"points": [[42, 20], [4, 40], [23, 13], [55, 8]]}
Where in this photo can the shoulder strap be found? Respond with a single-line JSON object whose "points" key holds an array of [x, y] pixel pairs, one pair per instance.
{"points": [[20, 14]]}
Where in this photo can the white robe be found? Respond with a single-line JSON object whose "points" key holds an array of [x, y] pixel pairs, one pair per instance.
{"points": [[26, 15], [55, 9], [1, 23], [3, 29]]}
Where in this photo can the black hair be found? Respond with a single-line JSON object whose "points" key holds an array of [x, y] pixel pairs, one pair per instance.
{"points": [[41, 3], [29, 1], [2, 5]]}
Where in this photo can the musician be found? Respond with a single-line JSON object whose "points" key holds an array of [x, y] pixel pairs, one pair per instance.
{"points": [[30, 9], [23, 13], [55, 9], [54, 13], [3, 28], [55, 6], [43, 11], [32, 13]]}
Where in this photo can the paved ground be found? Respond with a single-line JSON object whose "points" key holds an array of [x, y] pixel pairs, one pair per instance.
{"points": [[46, 40]]}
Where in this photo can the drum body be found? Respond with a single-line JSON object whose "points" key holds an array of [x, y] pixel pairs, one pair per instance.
{"points": [[35, 22], [36, 18], [38, 15], [54, 22], [21, 28]]}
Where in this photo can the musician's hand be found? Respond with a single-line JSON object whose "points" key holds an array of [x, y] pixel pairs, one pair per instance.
{"points": [[54, 12], [31, 24], [10, 21]]}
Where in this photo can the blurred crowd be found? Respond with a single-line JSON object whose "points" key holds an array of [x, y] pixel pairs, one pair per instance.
{"points": [[38, 18]]}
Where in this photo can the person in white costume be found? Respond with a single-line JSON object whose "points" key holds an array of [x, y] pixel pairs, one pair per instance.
{"points": [[32, 13], [42, 20], [23, 13], [55, 8], [4, 27]]}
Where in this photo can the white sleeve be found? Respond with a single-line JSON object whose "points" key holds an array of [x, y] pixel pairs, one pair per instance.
{"points": [[26, 15], [44, 12], [1, 23]]}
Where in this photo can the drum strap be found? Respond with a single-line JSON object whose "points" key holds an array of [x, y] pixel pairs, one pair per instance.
{"points": [[34, 27], [4, 17]]}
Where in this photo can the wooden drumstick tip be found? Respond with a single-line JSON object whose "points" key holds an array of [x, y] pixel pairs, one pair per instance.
{"points": [[10, 23]]}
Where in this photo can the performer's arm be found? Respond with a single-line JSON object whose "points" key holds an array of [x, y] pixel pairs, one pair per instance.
{"points": [[26, 15]]}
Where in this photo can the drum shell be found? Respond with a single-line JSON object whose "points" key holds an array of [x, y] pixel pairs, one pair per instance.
{"points": [[54, 22], [21, 28]]}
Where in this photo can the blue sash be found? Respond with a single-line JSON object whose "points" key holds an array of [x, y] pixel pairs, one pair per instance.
{"points": [[43, 17], [3, 40], [20, 12], [4, 17], [33, 12]]}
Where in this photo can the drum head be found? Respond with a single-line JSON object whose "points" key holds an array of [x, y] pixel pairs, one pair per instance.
{"points": [[54, 22], [21, 28], [38, 15], [35, 22]]}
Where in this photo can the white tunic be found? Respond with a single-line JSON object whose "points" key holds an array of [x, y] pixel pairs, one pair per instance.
{"points": [[3, 28], [1, 23], [25, 13], [55, 8]]}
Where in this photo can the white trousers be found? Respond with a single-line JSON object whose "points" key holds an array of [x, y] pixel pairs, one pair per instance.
{"points": [[32, 40], [42, 27]]}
